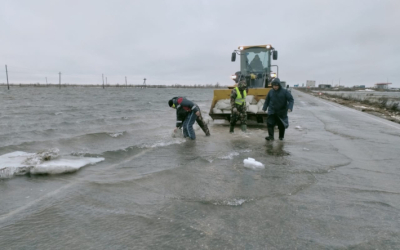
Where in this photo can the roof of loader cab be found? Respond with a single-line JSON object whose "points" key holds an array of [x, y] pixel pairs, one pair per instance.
{"points": [[255, 46]]}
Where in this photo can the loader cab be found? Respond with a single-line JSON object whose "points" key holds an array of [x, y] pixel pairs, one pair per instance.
{"points": [[255, 65]]}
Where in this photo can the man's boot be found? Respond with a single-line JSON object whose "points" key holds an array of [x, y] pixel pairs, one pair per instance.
{"points": [[270, 136], [231, 128], [244, 127], [281, 134]]}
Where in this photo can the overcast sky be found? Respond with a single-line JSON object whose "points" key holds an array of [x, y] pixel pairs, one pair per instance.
{"points": [[191, 41]]}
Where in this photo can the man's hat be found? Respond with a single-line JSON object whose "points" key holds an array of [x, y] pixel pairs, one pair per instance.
{"points": [[276, 81], [170, 103]]}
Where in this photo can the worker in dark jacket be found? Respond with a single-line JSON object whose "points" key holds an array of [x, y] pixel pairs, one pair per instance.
{"points": [[238, 106], [187, 112], [279, 102]]}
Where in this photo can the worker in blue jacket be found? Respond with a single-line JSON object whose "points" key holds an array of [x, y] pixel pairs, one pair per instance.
{"points": [[279, 102], [187, 112]]}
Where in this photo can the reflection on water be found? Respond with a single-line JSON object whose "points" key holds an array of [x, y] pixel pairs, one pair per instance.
{"points": [[276, 148]]}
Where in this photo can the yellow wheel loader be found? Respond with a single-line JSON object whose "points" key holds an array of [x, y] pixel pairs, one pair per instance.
{"points": [[255, 68]]}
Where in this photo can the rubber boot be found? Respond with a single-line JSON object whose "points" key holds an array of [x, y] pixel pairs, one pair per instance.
{"points": [[270, 136], [231, 129], [244, 127], [281, 134]]}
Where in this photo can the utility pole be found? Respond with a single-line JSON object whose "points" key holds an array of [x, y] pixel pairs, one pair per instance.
{"points": [[102, 75], [126, 82], [8, 85], [59, 78]]}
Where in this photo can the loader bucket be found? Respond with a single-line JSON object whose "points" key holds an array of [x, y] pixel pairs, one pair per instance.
{"points": [[219, 94]]}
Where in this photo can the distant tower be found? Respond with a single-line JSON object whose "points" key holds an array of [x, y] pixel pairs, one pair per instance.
{"points": [[144, 83]]}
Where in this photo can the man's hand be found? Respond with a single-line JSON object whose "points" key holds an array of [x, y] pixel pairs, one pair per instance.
{"points": [[289, 110], [234, 110], [175, 130], [198, 113]]}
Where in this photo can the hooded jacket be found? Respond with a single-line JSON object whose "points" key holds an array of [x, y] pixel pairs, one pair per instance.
{"points": [[183, 108], [278, 102]]}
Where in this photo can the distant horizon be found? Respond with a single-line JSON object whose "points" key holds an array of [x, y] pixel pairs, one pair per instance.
{"points": [[167, 85]]}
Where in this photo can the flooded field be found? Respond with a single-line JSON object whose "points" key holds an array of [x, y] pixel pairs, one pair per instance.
{"points": [[331, 184]]}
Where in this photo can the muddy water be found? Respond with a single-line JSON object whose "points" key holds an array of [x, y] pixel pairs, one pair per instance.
{"points": [[331, 184]]}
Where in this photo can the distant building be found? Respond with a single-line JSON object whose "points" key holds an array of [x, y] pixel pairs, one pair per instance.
{"points": [[359, 86], [310, 84], [324, 86], [382, 85], [296, 85]]}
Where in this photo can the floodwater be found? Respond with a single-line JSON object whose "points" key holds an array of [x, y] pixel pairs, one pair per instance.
{"points": [[331, 184]]}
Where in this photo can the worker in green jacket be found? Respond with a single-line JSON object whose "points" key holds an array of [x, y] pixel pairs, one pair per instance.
{"points": [[238, 106]]}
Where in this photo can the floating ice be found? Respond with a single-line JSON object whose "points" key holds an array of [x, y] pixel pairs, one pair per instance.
{"points": [[234, 202], [38, 158], [253, 164], [115, 135], [163, 143], [229, 156], [298, 127], [45, 162]]}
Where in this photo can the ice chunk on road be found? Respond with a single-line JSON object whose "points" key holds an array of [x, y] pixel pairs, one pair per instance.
{"points": [[44, 162], [253, 164]]}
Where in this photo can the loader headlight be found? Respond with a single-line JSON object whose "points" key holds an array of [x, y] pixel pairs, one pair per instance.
{"points": [[268, 46], [273, 75], [233, 77], [241, 48]]}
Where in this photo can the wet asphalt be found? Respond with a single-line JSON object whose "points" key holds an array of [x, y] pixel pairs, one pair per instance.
{"points": [[332, 183]]}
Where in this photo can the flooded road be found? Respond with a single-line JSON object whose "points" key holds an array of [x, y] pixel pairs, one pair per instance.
{"points": [[331, 184]]}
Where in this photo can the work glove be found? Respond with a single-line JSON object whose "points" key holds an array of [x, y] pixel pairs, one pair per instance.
{"points": [[289, 110], [234, 110]]}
